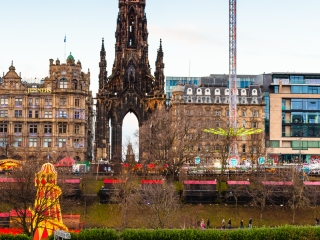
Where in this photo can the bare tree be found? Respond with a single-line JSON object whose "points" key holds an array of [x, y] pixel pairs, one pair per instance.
{"points": [[7, 149], [261, 192], [172, 137], [21, 195], [297, 197], [313, 194], [160, 202], [123, 193]]}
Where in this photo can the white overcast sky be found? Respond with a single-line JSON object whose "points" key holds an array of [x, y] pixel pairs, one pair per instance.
{"points": [[272, 35]]}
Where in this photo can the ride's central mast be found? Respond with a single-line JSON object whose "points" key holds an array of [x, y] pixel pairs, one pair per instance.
{"points": [[233, 152]]}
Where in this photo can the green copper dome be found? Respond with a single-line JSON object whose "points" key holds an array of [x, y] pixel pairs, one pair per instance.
{"points": [[70, 57]]}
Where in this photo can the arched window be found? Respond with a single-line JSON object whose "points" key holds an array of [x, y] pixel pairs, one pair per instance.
{"points": [[207, 92], [254, 100], [254, 92], [226, 92], [243, 92], [189, 91], [217, 91], [63, 83], [74, 84], [199, 91], [132, 26]]}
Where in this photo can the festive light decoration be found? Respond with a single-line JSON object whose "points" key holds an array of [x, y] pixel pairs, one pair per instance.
{"points": [[47, 203]]}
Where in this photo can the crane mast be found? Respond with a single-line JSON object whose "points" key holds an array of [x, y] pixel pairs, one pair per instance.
{"points": [[233, 150]]}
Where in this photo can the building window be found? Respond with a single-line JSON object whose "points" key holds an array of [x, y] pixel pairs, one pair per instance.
{"points": [[36, 113], [32, 142], [33, 128], [244, 123], [254, 149], [63, 101], [47, 128], [18, 128], [226, 92], [207, 112], [47, 114], [4, 101], [30, 101], [77, 114], [47, 142], [17, 113], [48, 101], [227, 113], [62, 127], [216, 148], [217, 113], [37, 101], [63, 83], [207, 92], [254, 92], [62, 114], [30, 113], [199, 91], [3, 113], [189, 91], [254, 124], [17, 142], [3, 142], [243, 92], [255, 114], [77, 129], [77, 102], [62, 142], [18, 101], [243, 113], [217, 91], [76, 143], [243, 148], [3, 128]]}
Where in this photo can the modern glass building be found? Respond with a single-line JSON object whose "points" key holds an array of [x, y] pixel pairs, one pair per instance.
{"points": [[243, 81], [173, 81], [292, 116]]}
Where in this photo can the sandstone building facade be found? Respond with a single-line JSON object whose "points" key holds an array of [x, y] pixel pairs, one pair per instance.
{"points": [[208, 107], [47, 120]]}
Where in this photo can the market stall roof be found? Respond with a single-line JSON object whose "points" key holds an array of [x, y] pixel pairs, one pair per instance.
{"points": [[312, 183], [238, 182], [65, 162]]}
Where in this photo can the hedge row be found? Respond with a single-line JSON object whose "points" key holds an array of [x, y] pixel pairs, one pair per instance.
{"points": [[281, 233], [14, 237]]}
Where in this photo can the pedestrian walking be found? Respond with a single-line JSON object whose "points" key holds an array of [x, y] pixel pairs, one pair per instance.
{"points": [[202, 224], [241, 224], [250, 223], [223, 224], [229, 223], [208, 223]]}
